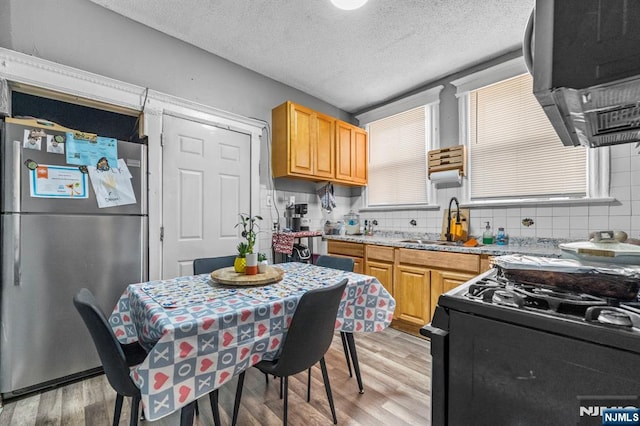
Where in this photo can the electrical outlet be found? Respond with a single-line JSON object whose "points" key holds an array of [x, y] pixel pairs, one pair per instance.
{"points": [[269, 200]]}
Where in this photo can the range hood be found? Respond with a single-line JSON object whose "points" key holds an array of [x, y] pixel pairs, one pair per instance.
{"points": [[585, 59]]}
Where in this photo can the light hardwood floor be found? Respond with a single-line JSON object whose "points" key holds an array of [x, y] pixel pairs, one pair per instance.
{"points": [[395, 369]]}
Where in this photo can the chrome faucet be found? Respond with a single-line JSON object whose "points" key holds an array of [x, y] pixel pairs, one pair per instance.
{"points": [[448, 234]]}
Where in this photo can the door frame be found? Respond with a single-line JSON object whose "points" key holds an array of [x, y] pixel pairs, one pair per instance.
{"points": [[24, 70]]}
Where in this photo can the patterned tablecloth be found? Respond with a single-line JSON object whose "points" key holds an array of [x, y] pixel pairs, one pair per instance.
{"points": [[200, 334]]}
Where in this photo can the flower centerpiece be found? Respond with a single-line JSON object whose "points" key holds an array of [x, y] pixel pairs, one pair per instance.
{"points": [[250, 229]]}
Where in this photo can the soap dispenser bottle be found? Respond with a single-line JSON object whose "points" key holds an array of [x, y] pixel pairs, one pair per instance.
{"points": [[487, 236], [501, 237]]}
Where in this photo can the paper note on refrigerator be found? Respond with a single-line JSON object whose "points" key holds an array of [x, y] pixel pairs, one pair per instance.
{"points": [[48, 181], [84, 152], [112, 187]]}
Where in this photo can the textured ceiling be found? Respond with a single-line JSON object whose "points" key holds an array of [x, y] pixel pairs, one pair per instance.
{"points": [[350, 59]]}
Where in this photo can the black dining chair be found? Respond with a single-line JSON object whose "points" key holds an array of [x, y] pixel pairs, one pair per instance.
{"points": [[306, 342], [348, 342], [205, 265], [116, 359]]}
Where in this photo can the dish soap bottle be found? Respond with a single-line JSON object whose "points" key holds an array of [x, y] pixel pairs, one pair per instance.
{"points": [[487, 236], [501, 237]]}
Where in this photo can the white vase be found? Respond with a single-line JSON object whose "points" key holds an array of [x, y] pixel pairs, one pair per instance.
{"points": [[262, 266], [252, 259], [252, 264]]}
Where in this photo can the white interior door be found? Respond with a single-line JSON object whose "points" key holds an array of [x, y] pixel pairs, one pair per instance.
{"points": [[206, 184]]}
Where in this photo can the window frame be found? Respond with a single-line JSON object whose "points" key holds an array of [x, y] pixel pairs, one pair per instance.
{"points": [[597, 168], [430, 100]]}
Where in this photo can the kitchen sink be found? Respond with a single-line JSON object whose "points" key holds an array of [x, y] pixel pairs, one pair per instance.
{"points": [[438, 242]]}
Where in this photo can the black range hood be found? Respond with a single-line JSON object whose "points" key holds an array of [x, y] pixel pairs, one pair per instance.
{"points": [[585, 59]]}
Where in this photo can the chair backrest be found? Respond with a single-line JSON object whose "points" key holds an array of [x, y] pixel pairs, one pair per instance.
{"points": [[109, 349], [342, 263], [209, 264], [311, 330]]}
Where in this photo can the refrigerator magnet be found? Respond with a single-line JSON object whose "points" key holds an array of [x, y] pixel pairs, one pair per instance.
{"points": [[55, 144], [33, 139], [103, 164], [30, 164]]}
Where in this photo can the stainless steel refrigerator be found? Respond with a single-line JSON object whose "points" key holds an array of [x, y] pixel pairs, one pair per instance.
{"points": [[50, 248]]}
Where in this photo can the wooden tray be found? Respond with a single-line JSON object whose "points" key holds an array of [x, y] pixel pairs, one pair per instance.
{"points": [[230, 277]]}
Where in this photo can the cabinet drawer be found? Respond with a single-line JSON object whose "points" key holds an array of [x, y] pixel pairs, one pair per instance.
{"points": [[486, 262], [380, 253], [346, 248], [440, 259]]}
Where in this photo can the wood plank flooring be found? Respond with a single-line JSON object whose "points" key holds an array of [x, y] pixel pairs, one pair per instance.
{"points": [[395, 369]]}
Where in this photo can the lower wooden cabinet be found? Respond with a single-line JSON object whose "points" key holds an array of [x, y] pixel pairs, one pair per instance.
{"points": [[442, 282], [421, 276], [383, 271], [413, 295], [486, 261], [415, 278], [348, 249], [379, 263]]}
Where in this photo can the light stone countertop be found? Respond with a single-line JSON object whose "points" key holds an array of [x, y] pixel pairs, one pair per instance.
{"points": [[545, 247]]}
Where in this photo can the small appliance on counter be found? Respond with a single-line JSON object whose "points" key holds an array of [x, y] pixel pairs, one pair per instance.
{"points": [[300, 211], [352, 223], [295, 220]]}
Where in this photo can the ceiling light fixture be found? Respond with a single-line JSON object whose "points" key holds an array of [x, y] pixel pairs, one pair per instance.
{"points": [[348, 4]]}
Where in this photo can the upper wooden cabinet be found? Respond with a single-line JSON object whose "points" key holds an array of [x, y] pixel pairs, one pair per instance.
{"points": [[304, 146], [303, 143], [351, 153]]}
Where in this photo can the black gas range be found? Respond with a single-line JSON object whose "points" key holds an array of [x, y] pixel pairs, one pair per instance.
{"points": [[510, 353]]}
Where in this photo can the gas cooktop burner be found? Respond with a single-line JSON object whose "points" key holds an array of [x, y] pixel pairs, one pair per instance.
{"points": [[498, 290]]}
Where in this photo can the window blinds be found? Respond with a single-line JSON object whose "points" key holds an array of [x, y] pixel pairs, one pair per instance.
{"points": [[514, 150], [397, 159]]}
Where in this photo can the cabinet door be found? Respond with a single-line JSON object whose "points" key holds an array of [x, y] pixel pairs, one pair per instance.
{"points": [[344, 166], [302, 128], [412, 291], [360, 158], [443, 281], [324, 166], [351, 153], [357, 262], [383, 272], [358, 265]]}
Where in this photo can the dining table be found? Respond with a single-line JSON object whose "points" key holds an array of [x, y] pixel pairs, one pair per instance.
{"points": [[200, 333]]}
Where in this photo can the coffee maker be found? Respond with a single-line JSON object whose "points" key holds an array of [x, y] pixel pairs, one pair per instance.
{"points": [[295, 220], [301, 210]]}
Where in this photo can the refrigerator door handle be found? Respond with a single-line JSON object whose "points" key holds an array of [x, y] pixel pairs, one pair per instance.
{"points": [[17, 250], [16, 201]]}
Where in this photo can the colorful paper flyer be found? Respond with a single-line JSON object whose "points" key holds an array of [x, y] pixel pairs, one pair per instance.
{"points": [[48, 181], [85, 152]]}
